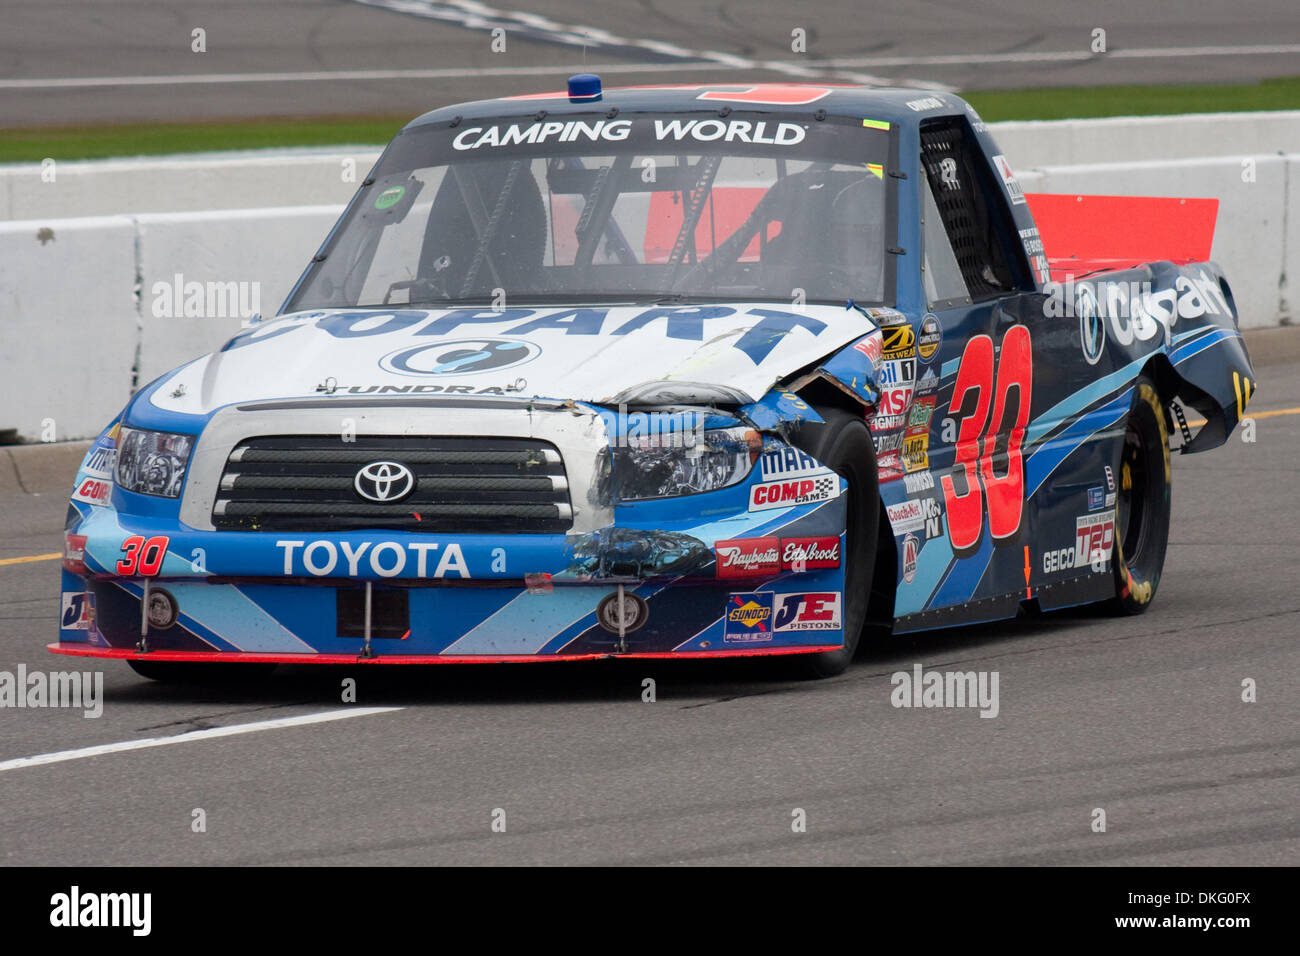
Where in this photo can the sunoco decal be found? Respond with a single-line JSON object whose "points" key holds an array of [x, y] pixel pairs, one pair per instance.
{"points": [[748, 618]]}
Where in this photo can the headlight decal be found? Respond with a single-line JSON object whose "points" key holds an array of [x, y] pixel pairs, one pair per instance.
{"points": [[661, 466], [151, 462]]}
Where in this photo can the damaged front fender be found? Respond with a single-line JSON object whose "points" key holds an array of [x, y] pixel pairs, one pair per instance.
{"points": [[631, 554]]}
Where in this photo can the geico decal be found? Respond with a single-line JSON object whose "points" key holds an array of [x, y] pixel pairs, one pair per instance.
{"points": [[386, 559], [1094, 542], [1060, 560]]}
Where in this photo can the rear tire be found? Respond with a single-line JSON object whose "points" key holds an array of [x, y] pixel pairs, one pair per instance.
{"points": [[1143, 503], [844, 445], [185, 672]]}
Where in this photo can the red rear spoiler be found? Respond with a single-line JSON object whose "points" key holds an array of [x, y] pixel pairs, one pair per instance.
{"points": [[1086, 234]]}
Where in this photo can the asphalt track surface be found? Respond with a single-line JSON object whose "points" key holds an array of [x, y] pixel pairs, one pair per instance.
{"points": [[71, 62], [1141, 717]]}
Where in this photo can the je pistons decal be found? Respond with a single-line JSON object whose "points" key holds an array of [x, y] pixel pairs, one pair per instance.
{"points": [[808, 612], [462, 357], [748, 618]]}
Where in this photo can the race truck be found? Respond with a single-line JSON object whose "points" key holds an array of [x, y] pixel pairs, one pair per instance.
{"points": [[667, 372]]}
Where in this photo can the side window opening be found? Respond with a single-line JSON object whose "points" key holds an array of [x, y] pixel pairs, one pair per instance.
{"points": [[944, 285], [977, 227]]}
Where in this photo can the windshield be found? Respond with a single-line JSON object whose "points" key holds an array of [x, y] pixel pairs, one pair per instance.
{"points": [[589, 207]]}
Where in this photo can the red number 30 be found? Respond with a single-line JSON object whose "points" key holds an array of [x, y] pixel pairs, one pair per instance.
{"points": [[142, 557], [989, 465]]}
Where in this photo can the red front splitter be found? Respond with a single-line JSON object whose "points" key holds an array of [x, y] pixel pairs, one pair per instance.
{"points": [[252, 657]]}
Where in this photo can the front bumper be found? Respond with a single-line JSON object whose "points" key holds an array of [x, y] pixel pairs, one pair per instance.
{"points": [[266, 596], [282, 596]]}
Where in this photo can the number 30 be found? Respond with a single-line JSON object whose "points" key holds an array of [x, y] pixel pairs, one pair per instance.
{"points": [[142, 557], [988, 464]]}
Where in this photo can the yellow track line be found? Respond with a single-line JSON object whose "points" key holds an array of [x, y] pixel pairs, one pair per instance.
{"points": [[1269, 414], [32, 557]]}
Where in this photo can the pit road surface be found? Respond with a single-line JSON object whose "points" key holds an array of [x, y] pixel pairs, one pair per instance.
{"points": [[1141, 717], [69, 62]]}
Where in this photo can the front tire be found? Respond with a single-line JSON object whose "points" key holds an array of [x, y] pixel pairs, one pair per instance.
{"points": [[844, 445], [1143, 503]]}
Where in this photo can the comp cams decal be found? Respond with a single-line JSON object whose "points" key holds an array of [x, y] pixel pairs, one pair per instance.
{"points": [[93, 491], [801, 491]]}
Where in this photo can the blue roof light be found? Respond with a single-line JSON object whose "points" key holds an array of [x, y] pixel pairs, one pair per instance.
{"points": [[584, 86]]}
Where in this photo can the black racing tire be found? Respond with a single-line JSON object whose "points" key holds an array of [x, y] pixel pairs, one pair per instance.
{"points": [[186, 672], [844, 444], [1143, 503]]}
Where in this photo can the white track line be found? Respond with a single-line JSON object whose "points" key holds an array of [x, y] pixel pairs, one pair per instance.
{"points": [[980, 59], [562, 72], [193, 735], [805, 67]]}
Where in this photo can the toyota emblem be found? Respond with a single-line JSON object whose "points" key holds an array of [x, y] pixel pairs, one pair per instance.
{"points": [[384, 481]]}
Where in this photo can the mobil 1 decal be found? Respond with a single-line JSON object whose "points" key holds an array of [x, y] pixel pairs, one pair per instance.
{"points": [[990, 402]]}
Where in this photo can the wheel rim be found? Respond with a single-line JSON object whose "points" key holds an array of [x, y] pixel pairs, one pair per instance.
{"points": [[1136, 488]]}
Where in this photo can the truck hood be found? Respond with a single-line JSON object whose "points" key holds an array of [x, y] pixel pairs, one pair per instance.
{"points": [[712, 353]]}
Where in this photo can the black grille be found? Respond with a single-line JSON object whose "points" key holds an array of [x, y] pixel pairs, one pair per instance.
{"points": [[306, 483]]}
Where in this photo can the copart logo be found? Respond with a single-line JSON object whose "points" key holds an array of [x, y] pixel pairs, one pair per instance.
{"points": [[384, 481], [1092, 328], [462, 357]]}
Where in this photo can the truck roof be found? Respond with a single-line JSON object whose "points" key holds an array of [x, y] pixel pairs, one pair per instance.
{"points": [[895, 106]]}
